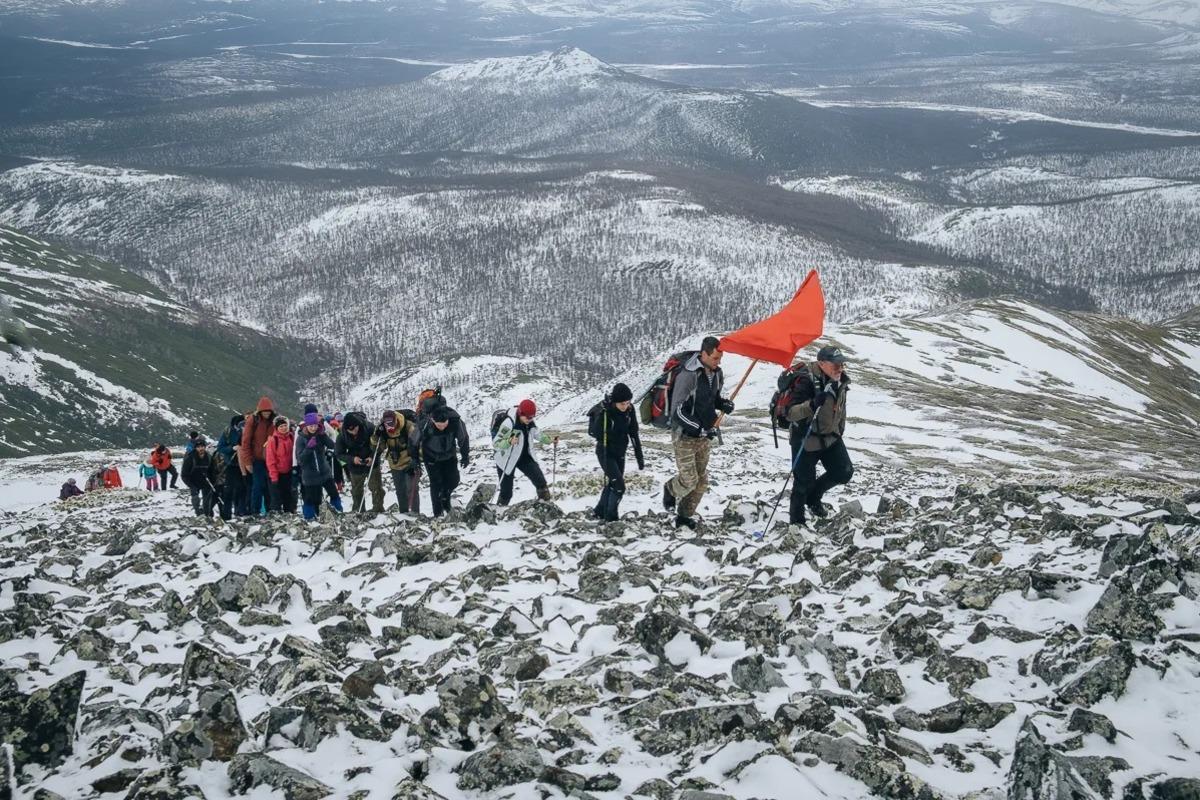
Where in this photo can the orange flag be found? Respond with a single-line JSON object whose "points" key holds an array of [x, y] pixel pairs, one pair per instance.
{"points": [[778, 337]]}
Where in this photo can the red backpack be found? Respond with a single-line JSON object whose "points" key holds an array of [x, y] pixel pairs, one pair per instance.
{"points": [[655, 405], [794, 385]]}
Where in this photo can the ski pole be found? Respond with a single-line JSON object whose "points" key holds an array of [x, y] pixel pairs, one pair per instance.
{"points": [[795, 461]]}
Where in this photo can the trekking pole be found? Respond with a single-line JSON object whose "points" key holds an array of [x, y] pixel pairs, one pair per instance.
{"points": [[216, 497], [370, 472], [795, 461], [554, 463]]}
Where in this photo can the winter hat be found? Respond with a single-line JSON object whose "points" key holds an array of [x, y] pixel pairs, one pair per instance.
{"points": [[312, 418], [621, 393], [281, 421], [201, 441], [389, 419], [193, 434], [310, 408], [440, 414], [338, 416], [527, 408], [72, 480]]}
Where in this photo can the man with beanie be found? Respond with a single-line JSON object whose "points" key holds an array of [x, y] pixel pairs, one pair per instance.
{"points": [[199, 474], [613, 424], [695, 405], [397, 442], [252, 456], [356, 449], [444, 445], [821, 403], [513, 450]]}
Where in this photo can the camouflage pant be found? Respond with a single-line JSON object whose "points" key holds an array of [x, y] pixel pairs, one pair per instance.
{"points": [[691, 459], [359, 481]]}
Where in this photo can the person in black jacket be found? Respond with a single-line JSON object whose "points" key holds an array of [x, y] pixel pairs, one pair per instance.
{"points": [[696, 404], [199, 474], [354, 449], [443, 438], [613, 424]]}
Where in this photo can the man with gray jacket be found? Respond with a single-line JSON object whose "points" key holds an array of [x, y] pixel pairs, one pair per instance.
{"points": [[695, 406], [821, 404]]}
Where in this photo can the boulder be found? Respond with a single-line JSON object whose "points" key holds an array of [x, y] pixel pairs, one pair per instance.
{"points": [[251, 770], [213, 733], [40, 727], [507, 763]]}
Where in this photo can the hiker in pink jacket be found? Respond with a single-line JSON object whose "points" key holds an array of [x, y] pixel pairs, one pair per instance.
{"points": [[279, 449]]}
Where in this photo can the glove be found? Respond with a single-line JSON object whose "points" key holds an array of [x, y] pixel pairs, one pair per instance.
{"points": [[710, 433], [641, 466], [312, 443], [725, 406], [818, 401], [465, 461]]}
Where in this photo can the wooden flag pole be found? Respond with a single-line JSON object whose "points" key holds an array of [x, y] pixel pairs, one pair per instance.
{"points": [[737, 389]]}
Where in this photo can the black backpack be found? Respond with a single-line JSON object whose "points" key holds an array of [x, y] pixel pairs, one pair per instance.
{"points": [[498, 417], [794, 385], [598, 420]]}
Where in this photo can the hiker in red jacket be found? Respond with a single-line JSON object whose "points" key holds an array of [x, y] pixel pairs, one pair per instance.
{"points": [[279, 451], [252, 455], [111, 477]]}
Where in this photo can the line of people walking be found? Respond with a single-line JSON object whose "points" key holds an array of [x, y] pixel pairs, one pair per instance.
{"points": [[263, 462]]}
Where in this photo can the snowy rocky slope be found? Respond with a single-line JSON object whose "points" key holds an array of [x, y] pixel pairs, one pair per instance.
{"points": [[978, 641], [113, 361]]}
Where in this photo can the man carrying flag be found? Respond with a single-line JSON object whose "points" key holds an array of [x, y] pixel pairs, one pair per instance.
{"points": [[818, 421]]}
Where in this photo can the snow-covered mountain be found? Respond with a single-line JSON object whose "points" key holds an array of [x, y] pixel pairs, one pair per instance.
{"points": [[108, 360]]}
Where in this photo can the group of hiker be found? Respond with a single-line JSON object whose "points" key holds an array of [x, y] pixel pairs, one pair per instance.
{"points": [[264, 462]]}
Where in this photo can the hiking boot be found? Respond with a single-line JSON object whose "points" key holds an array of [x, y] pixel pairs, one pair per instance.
{"points": [[686, 522], [668, 498], [818, 510], [544, 494]]}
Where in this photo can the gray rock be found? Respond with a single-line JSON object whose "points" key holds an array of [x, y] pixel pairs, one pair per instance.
{"points": [[533, 666], [987, 555], [468, 713], [903, 746], [807, 713], [413, 789], [422, 621], [556, 695], [1100, 666], [1039, 772], [361, 683], [213, 733], [688, 727], [908, 639], [959, 672], [881, 771], [118, 781], [597, 585], [313, 715], [1086, 721], [250, 770], [1125, 551], [162, 784], [505, 764], [204, 662], [883, 684], [967, 712], [40, 726], [656, 630], [1124, 613], [755, 674], [1176, 789], [121, 542]]}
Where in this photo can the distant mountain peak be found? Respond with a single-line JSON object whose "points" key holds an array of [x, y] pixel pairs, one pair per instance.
{"points": [[566, 64]]}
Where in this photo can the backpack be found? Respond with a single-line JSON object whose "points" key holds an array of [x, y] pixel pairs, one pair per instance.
{"points": [[428, 400], [409, 415], [597, 422], [654, 406], [794, 385], [498, 417]]}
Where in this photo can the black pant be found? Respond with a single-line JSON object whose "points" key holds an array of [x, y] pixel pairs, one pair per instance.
{"points": [[162, 478], [443, 480], [233, 494], [282, 498], [614, 486], [531, 470], [202, 500], [807, 488], [407, 484]]}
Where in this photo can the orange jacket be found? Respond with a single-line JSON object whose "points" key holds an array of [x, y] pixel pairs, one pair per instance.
{"points": [[160, 460], [255, 435]]}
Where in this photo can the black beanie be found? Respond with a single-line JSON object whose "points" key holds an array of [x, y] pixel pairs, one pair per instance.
{"points": [[621, 393]]}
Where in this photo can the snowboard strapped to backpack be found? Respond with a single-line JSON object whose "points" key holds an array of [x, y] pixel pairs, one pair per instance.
{"points": [[794, 385], [654, 407]]}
